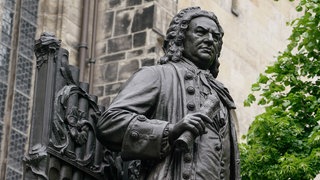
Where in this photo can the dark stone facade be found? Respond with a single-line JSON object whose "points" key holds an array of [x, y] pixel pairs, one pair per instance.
{"points": [[127, 68], [113, 57], [110, 72], [143, 19], [120, 44], [123, 20], [112, 88], [108, 20], [132, 39], [133, 2], [139, 39]]}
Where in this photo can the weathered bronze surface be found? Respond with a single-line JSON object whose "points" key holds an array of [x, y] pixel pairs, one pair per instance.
{"points": [[63, 143], [174, 120]]}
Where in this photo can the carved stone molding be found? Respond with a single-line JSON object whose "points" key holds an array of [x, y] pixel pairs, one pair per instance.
{"points": [[48, 43], [35, 160]]}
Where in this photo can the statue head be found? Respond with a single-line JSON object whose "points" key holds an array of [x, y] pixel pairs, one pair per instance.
{"points": [[179, 42]]}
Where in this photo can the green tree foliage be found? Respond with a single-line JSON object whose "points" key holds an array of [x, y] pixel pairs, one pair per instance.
{"points": [[284, 141]]}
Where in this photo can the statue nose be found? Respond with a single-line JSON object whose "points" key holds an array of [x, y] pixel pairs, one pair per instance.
{"points": [[209, 38]]}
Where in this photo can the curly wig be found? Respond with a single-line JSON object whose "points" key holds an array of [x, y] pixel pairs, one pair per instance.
{"points": [[173, 43]]}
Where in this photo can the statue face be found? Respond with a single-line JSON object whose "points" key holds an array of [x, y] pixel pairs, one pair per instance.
{"points": [[201, 42]]}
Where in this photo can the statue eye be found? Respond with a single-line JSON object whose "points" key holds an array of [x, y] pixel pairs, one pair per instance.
{"points": [[200, 32], [215, 39]]}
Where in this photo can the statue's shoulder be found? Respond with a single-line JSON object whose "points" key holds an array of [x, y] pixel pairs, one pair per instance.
{"points": [[153, 72], [159, 68]]}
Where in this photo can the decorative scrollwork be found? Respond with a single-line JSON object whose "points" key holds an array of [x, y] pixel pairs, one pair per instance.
{"points": [[47, 43], [78, 125], [34, 159], [72, 126]]}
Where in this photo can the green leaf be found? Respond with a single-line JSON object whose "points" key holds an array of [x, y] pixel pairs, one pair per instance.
{"points": [[246, 103], [299, 8], [255, 87], [286, 103], [262, 101], [249, 100], [269, 70], [263, 79]]}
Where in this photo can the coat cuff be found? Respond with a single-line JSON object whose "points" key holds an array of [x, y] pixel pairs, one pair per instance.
{"points": [[144, 139]]}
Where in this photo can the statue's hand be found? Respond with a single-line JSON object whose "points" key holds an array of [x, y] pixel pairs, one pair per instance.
{"points": [[191, 122]]}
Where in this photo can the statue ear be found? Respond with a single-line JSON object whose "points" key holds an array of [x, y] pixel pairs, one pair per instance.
{"points": [[214, 69]]}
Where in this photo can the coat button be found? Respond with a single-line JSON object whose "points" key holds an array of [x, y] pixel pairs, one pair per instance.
{"points": [[222, 122], [186, 175], [141, 118], [222, 175], [188, 76], [191, 106], [134, 135], [222, 163], [190, 90], [166, 132], [187, 158], [217, 147]]}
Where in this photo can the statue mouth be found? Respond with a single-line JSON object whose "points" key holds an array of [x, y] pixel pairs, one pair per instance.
{"points": [[207, 50]]}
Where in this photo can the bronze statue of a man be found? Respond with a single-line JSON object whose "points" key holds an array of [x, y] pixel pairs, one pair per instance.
{"points": [[179, 97]]}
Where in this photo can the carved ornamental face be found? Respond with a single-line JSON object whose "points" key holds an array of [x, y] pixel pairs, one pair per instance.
{"points": [[201, 42]]}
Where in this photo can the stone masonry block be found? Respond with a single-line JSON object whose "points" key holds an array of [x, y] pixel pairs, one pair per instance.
{"points": [[113, 57], [147, 62], [111, 89], [152, 50], [162, 19], [120, 44], [109, 72], [114, 3], [105, 101], [133, 2], [98, 90], [108, 24], [123, 21], [154, 39], [169, 5], [143, 19], [127, 68], [134, 53], [139, 39], [101, 48]]}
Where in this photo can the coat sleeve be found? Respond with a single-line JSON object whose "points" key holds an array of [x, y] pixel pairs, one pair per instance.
{"points": [[125, 126]]}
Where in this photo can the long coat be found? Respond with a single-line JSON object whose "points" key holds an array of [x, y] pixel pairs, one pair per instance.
{"points": [[136, 123]]}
